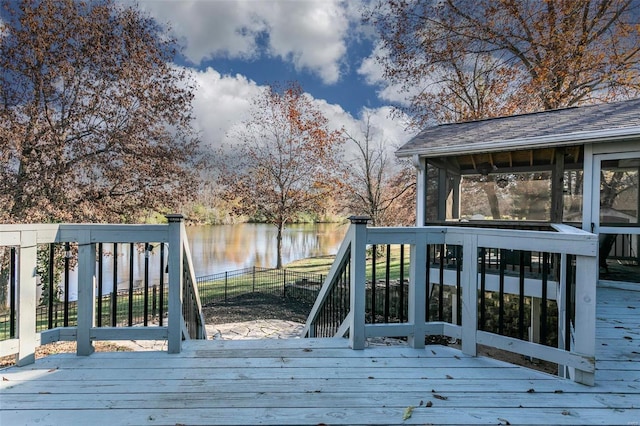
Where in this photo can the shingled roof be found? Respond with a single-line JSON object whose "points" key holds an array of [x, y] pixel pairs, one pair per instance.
{"points": [[561, 127]]}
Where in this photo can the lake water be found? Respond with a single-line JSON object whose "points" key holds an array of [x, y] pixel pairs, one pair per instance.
{"points": [[220, 248]]}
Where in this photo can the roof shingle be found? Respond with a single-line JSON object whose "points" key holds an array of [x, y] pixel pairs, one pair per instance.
{"points": [[519, 131]]}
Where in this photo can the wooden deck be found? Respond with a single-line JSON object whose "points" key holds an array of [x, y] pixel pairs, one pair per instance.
{"points": [[315, 381]]}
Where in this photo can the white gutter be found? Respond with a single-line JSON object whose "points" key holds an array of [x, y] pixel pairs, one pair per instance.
{"points": [[546, 141]]}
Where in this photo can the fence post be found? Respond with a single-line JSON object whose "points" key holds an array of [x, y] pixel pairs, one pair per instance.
{"points": [[585, 315], [469, 283], [359, 280], [86, 293], [225, 285], [27, 298], [253, 281], [154, 303], [175, 263], [416, 314], [284, 283]]}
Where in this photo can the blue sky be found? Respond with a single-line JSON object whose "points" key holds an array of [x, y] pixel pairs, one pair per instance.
{"points": [[236, 47]]}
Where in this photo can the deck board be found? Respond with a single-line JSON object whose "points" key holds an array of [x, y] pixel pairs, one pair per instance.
{"points": [[288, 382]]}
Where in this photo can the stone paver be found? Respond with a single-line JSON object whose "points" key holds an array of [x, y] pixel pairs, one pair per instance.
{"points": [[258, 329]]}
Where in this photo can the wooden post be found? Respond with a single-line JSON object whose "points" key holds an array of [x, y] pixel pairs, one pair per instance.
{"points": [[536, 308], [585, 317], [175, 263], [86, 293], [455, 209], [358, 281], [469, 282], [27, 298], [442, 194], [417, 289], [421, 190], [557, 187], [563, 305]]}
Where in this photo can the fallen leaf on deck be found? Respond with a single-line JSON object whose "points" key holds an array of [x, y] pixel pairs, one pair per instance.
{"points": [[444, 398], [531, 390], [408, 412], [503, 421], [429, 404], [4, 379], [449, 377]]}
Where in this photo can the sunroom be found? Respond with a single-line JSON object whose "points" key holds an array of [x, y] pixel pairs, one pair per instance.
{"points": [[577, 166]]}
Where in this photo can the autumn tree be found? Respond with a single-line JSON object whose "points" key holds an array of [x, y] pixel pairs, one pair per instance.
{"points": [[376, 185], [285, 160], [94, 117], [469, 59]]}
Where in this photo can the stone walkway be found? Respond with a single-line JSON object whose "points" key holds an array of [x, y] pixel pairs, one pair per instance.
{"points": [[258, 329]]}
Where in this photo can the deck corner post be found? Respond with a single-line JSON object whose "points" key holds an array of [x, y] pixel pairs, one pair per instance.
{"points": [[417, 290], [470, 295], [358, 281], [174, 263], [27, 298], [86, 293], [585, 315]]}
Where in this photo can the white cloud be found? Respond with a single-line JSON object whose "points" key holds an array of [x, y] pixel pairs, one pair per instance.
{"points": [[373, 73], [310, 34], [220, 102], [223, 102]]}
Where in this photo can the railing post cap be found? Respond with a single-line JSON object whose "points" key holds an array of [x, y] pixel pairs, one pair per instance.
{"points": [[359, 220], [174, 217]]}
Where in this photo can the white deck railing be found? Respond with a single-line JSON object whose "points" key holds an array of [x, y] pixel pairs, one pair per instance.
{"points": [[26, 238], [578, 359]]}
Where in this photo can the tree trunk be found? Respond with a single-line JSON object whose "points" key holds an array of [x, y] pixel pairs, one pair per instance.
{"points": [[490, 189]]}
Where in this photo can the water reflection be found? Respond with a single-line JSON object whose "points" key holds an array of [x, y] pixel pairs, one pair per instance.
{"points": [[225, 247]]}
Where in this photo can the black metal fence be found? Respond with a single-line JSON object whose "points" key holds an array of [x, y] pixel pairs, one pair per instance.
{"points": [[224, 286], [504, 307], [146, 303]]}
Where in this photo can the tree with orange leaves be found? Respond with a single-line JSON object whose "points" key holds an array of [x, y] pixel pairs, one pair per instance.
{"points": [[285, 162], [95, 120], [469, 59]]}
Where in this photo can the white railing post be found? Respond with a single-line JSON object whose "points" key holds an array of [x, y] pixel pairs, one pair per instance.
{"points": [[469, 284], [27, 298], [86, 293], [563, 304], [358, 281], [174, 264], [417, 289], [585, 316]]}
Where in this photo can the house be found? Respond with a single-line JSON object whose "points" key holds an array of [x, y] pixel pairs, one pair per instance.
{"points": [[576, 165]]}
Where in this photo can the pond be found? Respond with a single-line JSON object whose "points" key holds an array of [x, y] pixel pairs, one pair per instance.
{"points": [[222, 248]]}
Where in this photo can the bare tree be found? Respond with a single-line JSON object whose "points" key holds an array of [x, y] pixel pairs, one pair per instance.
{"points": [[372, 187]]}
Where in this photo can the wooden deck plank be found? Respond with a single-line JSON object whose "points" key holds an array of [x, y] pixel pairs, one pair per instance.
{"points": [[333, 416], [316, 399], [282, 382]]}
